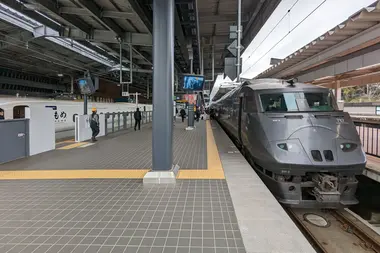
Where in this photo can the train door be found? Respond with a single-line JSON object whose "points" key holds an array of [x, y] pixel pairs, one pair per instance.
{"points": [[19, 111]]}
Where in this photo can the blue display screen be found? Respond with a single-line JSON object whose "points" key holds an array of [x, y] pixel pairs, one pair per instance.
{"points": [[193, 82], [86, 86]]}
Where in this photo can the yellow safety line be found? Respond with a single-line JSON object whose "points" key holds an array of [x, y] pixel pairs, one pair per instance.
{"points": [[71, 174], [74, 145], [214, 164], [65, 141]]}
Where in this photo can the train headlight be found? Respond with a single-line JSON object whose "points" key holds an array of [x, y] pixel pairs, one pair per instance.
{"points": [[291, 147], [283, 146], [347, 147]]}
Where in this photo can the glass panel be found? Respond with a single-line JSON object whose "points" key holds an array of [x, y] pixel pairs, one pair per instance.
{"points": [[298, 102], [291, 101]]}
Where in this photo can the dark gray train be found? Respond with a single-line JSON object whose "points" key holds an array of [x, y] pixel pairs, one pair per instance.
{"points": [[305, 150]]}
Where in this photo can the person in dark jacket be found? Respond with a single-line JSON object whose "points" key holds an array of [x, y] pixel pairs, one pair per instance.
{"points": [[197, 114], [137, 116], [183, 114], [94, 124]]}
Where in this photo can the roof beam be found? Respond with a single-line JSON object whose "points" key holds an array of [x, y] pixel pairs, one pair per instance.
{"points": [[74, 21], [217, 40], [178, 32], [44, 53], [96, 12], [215, 19], [141, 39], [103, 14], [145, 17], [20, 36], [257, 19], [20, 8]]}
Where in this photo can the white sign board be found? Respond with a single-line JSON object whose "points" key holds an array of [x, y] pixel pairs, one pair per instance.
{"points": [[233, 48], [125, 94]]}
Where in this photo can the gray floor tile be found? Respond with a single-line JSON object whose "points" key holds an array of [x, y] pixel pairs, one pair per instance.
{"points": [[80, 249], [106, 199], [118, 249], [157, 250], [131, 150]]}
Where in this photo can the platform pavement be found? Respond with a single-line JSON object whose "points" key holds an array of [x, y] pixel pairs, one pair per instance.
{"points": [[222, 209], [372, 169], [130, 151]]}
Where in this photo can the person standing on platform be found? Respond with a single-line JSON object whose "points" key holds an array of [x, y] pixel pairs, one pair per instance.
{"points": [[1, 114], [137, 116], [197, 113], [94, 124], [183, 114]]}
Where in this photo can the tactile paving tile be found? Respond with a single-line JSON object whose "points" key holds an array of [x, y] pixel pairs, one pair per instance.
{"points": [[132, 150], [117, 215]]}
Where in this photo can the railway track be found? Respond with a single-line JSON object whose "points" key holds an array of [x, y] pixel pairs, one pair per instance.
{"points": [[335, 231]]}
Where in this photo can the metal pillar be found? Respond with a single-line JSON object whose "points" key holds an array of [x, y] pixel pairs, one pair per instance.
{"points": [[190, 119], [85, 104], [147, 88], [202, 62], [72, 84], [238, 42], [163, 65]]}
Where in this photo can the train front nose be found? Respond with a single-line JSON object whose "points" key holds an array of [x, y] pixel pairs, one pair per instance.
{"points": [[324, 146]]}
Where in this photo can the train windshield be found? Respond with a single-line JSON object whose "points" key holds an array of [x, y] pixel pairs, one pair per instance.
{"points": [[298, 102]]}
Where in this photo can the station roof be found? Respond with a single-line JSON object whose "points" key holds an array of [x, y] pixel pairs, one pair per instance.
{"points": [[291, 65], [48, 37]]}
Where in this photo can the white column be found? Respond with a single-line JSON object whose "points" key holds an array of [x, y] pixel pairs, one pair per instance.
{"points": [[337, 91]]}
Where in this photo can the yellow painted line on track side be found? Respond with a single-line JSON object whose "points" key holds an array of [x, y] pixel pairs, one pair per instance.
{"points": [[71, 174], [214, 164], [74, 145]]}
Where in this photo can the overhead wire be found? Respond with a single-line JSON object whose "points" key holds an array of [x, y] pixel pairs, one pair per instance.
{"points": [[286, 35], [274, 28]]}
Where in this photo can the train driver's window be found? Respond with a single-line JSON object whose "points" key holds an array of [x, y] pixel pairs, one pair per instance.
{"points": [[273, 102], [19, 111]]}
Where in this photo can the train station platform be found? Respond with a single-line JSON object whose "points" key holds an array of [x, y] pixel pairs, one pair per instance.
{"points": [[91, 198], [372, 168]]}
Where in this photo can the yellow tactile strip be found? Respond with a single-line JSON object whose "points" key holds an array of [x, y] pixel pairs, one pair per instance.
{"points": [[214, 168], [74, 145], [214, 165]]}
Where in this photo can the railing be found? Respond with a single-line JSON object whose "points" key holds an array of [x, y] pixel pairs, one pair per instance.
{"points": [[369, 136], [119, 121]]}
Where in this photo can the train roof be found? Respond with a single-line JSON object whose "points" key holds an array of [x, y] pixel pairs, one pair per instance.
{"points": [[272, 83]]}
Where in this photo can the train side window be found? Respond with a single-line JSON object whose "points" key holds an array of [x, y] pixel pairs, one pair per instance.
{"points": [[19, 111]]}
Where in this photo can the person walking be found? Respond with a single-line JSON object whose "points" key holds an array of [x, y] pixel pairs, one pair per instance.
{"points": [[183, 114], [137, 116], [94, 124]]}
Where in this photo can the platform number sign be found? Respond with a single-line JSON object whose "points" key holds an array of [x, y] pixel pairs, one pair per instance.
{"points": [[377, 110]]}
